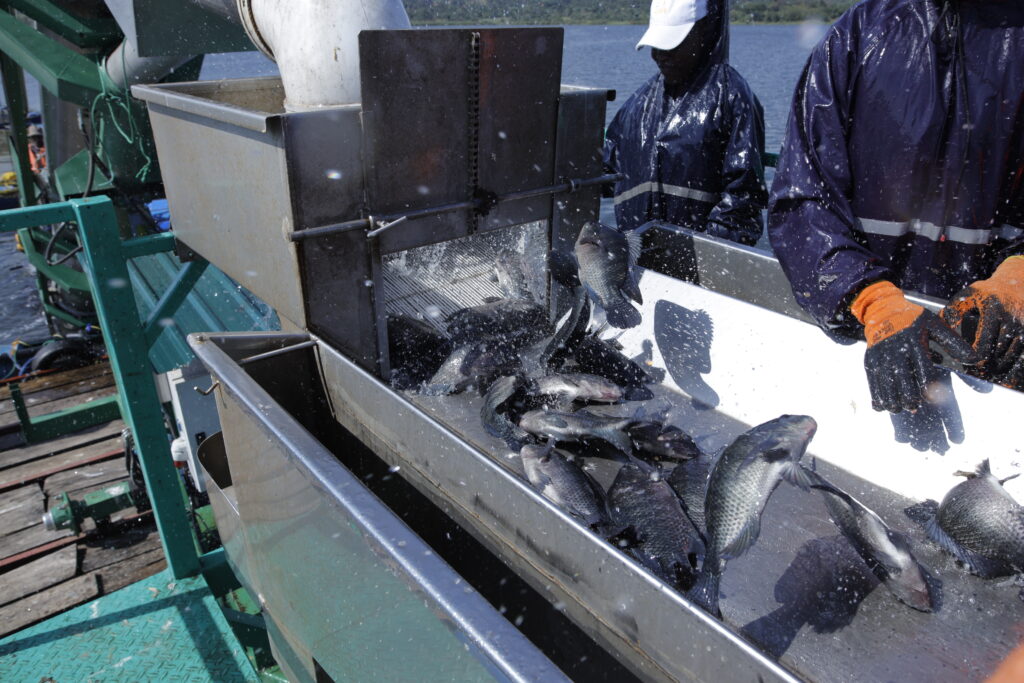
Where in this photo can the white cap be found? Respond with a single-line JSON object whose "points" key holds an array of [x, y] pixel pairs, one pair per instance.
{"points": [[671, 21]]}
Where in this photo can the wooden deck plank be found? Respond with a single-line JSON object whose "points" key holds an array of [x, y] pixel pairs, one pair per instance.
{"points": [[81, 480], [53, 600], [40, 398], [135, 568], [100, 552], [21, 508], [37, 469], [79, 439], [57, 379], [9, 422], [38, 575], [29, 538]]}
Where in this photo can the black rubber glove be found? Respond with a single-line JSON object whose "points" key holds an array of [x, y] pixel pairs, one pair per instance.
{"points": [[900, 335]]}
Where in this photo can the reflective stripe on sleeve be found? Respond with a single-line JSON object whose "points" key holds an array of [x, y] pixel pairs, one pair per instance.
{"points": [[937, 232], [673, 190]]}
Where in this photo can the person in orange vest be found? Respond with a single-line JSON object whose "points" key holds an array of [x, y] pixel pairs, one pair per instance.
{"points": [[36, 149]]}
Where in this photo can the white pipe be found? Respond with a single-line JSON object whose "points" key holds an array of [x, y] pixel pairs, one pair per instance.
{"points": [[316, 44], [125, 67]]}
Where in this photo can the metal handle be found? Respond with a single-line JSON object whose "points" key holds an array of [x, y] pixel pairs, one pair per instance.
{"points": [[378, 225]]}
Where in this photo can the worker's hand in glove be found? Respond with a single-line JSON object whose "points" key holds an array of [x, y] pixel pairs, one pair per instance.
{"points": [[898, 360], [990, 315]]}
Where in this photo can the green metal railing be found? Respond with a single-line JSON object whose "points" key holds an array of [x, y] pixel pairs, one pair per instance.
{"points": [[128, 339]]}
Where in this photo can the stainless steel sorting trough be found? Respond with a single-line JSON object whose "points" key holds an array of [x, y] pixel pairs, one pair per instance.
{"points": [[800, 604]]}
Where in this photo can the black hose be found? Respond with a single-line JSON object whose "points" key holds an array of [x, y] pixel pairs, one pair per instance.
{"points": [[49, 247]]}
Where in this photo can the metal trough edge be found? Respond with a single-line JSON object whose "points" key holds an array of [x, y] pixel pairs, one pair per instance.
{"points": [[494, 640], [643, 621]]}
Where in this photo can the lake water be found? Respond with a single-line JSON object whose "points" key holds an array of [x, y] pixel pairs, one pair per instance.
{"points": [[769, 57]]}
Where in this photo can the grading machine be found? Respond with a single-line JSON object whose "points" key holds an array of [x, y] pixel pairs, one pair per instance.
{"points": [[383, 533]]}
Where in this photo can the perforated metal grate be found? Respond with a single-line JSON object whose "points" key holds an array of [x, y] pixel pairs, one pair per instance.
{"points": [[434, 281]]}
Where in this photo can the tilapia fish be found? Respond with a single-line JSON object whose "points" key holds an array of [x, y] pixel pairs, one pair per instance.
{"points": [[667, 541], [565, 484], [689, 479], [598, 357], [663, 442], [571, 387], [885, 551], [562, 426], [504, 391], [569, 334], [473, 365], [516, 321], [981, 524], [606, 258], [738, 489]]}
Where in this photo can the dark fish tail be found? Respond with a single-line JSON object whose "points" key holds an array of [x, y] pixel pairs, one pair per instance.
{"points": [[622, 315], [705, 591]]}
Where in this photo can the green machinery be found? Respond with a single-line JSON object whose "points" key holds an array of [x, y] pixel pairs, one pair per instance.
{"points": [[88, 234], [67, 47], [105, 259]]}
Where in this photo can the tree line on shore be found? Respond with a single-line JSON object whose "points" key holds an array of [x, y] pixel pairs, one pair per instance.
{"points": [[606, 11]]}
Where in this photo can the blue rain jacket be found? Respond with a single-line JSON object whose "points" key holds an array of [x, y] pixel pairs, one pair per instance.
{"points": [[904, 153], [694, 160]]}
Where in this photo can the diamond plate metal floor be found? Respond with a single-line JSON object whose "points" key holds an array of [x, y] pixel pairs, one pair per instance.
{"points": [[159, 629]]}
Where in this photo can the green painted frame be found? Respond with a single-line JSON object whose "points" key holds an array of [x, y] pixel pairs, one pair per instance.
{"points": [[105, 257]]}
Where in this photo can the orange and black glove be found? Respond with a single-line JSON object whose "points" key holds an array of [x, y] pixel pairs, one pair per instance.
{"points": [[898, 360], [990, 314]]}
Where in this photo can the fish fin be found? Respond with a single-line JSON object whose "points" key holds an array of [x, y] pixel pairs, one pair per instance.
{"points": [[798, 476], [1012, 476], [622, 315], [816, 481], [619, 439], [746, 538], [635, 242], [983, 468], [921, 512], [558, 422], [975, 563], [705, 592], [631, 289]]}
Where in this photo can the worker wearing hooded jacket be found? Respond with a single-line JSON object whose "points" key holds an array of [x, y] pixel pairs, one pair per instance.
{"points": [[689, 141], [903, 169]]}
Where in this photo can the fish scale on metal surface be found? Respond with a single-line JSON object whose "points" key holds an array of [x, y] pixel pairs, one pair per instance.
{"points": [[981, 524]]}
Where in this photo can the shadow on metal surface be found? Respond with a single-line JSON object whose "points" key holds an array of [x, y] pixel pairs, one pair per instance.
{"points": [[822, 588], [684, 338]]}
